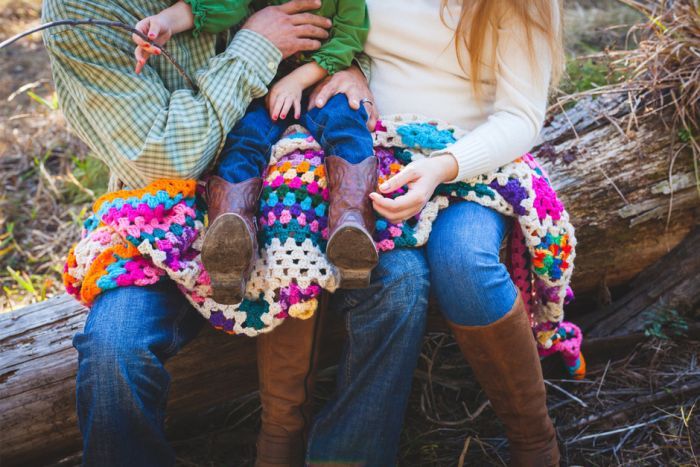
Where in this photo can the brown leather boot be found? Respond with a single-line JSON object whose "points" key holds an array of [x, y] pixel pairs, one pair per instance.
{"points": [[230, 244], [351, 220], [287, 360], [504, 358]]}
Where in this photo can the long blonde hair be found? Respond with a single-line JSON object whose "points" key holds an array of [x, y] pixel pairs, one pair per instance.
{"points": [[478, 19]]}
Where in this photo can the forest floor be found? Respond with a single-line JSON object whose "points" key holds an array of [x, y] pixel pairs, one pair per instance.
{"points": [[48, 182]]}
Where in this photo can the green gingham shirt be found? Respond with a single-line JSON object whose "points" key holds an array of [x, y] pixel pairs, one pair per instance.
{"points": [[151, 126]]}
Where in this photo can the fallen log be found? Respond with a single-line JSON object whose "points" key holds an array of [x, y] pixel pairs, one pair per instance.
{"points": [[615, 185], [38, 366]]}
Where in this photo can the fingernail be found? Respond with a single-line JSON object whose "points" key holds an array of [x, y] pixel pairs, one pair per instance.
{"points": [[319, 102], [151, 35]]}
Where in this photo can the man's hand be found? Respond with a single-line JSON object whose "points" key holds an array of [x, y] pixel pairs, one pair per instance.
{"points": [[289, 28], [353, 84]]}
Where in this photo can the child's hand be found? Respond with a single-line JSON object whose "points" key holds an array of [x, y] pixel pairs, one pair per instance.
{"points": [[284, 95], [158, 30]]}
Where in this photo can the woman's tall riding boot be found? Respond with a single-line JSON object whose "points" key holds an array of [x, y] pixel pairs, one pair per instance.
{"points": [[504, 358], [287, 360]]}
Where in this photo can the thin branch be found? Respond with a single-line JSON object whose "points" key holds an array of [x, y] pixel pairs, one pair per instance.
{"points": [[109, 24]]}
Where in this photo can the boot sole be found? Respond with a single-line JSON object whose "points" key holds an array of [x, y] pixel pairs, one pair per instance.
{"points": [[352, 250], [227, 252]]}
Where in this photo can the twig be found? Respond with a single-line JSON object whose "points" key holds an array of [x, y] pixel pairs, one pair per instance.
{"points": [[635, 403], [464, 451], [109, 24], [619, 430], [566, 393]]}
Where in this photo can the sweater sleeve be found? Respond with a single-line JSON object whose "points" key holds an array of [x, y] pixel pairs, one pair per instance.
{"points": [[215, 16], [348, 36], [522, 83]]}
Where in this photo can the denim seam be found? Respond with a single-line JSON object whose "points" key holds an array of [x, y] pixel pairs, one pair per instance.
{"points": [[170, 350]]}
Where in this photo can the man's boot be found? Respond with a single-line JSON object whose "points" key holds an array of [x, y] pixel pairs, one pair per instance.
{"points": [[504, 358], [351, 220], [287, 360], [230, 244]]}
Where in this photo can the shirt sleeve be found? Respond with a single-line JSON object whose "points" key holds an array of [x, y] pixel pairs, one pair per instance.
{"points": [[348, 36], [215, 16], [139, 127], [522, 84]]}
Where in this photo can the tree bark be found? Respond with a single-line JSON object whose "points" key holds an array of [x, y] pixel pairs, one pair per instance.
{"points": [[617, 191], [614, 184]]}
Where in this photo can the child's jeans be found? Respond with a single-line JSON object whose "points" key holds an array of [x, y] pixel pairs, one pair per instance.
{"points": [[340, 130]]}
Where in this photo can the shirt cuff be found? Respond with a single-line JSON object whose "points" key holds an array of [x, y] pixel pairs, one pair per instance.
{"points": [[257, 51], [472, 156]]}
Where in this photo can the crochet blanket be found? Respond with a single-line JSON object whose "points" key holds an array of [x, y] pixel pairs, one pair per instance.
{"points": [[139, 237]]}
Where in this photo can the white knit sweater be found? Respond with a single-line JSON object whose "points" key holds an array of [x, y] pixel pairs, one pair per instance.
{"points": [[415, 70]]}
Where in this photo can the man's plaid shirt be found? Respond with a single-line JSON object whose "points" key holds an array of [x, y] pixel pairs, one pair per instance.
{"points": [[151, 126]]}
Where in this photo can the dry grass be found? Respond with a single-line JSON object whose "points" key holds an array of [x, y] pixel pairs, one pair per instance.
{"points": [[46, 178], [450, 423]]}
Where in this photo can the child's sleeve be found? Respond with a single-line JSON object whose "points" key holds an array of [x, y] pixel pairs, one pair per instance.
{"points": [[215, 16], [348, 36]]}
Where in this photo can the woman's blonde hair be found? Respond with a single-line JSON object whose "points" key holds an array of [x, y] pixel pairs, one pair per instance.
{"points": [[479, 18]]}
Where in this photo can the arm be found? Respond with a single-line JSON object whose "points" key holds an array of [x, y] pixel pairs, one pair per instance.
{"points": [[144, 129], [522, 82], [286, 93], [215, 16], [348, 36], [141, 129]]}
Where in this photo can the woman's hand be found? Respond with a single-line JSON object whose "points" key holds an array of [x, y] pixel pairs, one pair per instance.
{"points": [[422, 177], [353, 84]]}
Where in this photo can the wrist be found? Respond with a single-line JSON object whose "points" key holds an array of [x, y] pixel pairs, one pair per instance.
{"points": [[178, 18], [447, 167]]}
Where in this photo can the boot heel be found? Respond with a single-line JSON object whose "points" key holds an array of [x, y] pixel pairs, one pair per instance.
{"points": [[354, 278], [228, 290]]}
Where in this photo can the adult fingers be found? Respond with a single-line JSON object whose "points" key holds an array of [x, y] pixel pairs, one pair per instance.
{"points": [[402, 178], [387, 209], [324, 92], [373, 116], [299, 6], [316, 90], [309, 18], [308, 45], [309, 31]]}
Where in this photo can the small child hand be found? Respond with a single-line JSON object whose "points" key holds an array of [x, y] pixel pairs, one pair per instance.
{"points": [[284, 95], [158, 29]]}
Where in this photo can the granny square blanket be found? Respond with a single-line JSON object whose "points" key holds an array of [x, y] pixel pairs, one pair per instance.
{"points": [[139, 237]]}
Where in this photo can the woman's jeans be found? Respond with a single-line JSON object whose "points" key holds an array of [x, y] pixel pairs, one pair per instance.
{"points": [[340, 130], [470, 283], [122, 384]]}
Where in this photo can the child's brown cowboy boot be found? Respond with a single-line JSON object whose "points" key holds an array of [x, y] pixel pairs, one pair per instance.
{"points": [[351, 220], [230, 245]]}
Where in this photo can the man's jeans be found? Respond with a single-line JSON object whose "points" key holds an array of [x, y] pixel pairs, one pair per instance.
{"points": [[122, 385]]}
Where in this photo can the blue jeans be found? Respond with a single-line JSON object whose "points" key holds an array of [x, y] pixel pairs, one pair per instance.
{"points": [[340, 130], [470, 283], [122, 385]]}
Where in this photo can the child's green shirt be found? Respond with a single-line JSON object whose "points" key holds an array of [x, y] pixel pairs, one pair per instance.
{"points": [[347, 35]]}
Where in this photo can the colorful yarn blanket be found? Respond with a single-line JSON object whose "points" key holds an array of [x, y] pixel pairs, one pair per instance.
{"points": [[139, 237]]}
